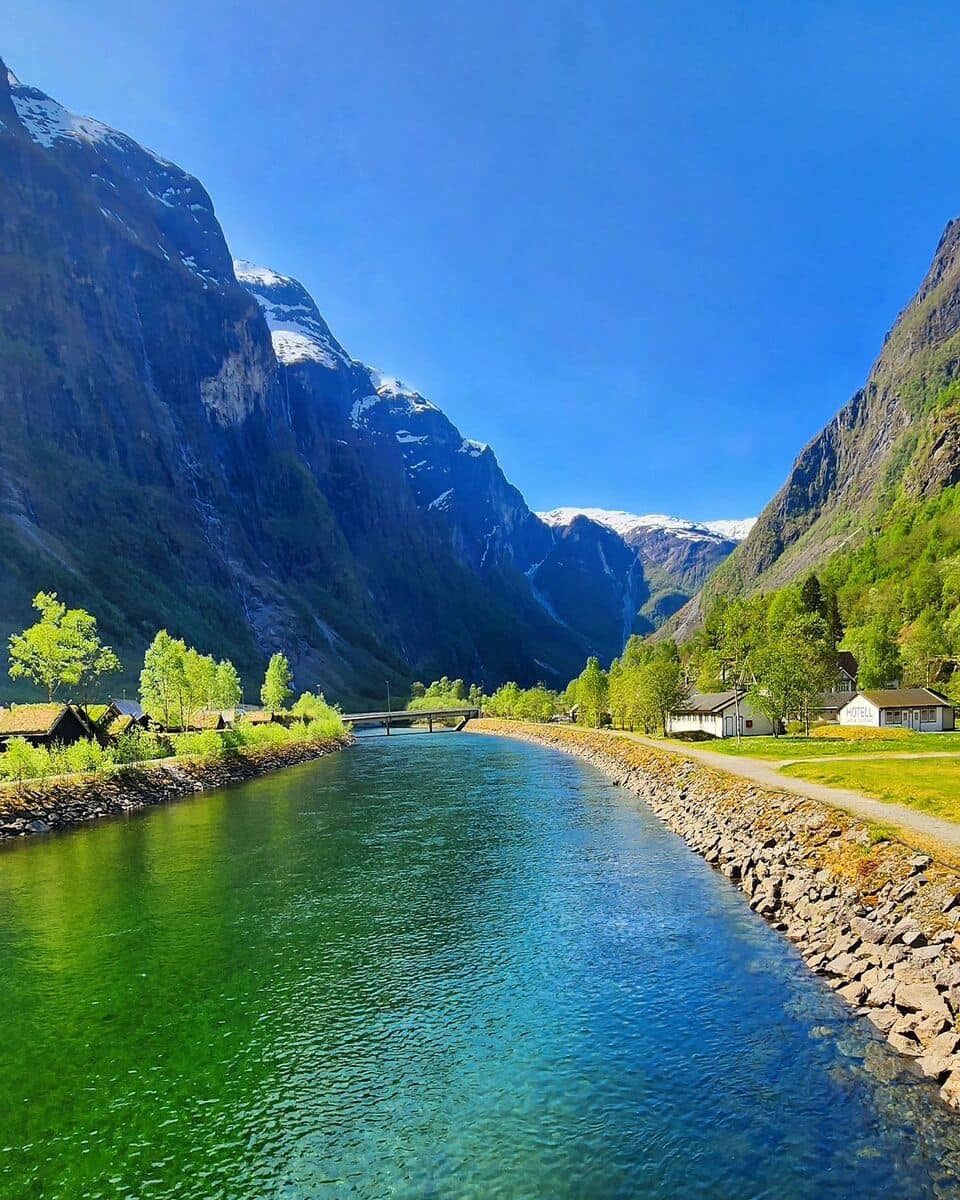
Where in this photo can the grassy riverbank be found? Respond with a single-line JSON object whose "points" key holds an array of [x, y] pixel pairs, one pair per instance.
{"points": [[25, 765], [39, 805], [930, 785], [834, 740]]}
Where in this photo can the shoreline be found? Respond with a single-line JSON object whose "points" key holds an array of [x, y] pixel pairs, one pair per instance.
{"points": [[877, 920], [75, 800]]}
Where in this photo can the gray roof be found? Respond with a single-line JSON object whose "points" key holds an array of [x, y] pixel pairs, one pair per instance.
{"points": [[833, 700], [128, 708], [708, 702], [906, 698]]}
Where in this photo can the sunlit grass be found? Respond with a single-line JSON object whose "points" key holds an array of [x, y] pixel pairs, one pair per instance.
{"points": [[928, 785], [797, 746]]}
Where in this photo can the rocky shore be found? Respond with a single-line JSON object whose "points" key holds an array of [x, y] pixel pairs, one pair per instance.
{"points": [[75, 799], [879, 921]]}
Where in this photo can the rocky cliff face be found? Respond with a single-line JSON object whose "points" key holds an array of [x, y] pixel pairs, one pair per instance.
{"points": [[186, 444], [898, 438]]}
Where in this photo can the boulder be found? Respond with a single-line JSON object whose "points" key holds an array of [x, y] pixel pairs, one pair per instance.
{"points": [[950, 1091], [923, 998], [854, 993]]}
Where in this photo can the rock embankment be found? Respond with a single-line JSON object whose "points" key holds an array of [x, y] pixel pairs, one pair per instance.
{"points": [[879, 921], [85, 798]]}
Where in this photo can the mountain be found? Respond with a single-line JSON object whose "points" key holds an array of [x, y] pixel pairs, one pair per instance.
{"points": [[186, 444], [890, 457], [669, 560]]}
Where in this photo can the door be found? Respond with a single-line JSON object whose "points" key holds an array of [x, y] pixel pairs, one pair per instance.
{"points": [[916, 719], [729, 728]]}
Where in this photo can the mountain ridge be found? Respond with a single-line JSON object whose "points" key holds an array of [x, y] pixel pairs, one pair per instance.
{"points": [[895, 443], [190, 449]]}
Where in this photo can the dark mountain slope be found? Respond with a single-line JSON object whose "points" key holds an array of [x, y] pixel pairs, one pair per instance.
{"points": [[183, 448]]}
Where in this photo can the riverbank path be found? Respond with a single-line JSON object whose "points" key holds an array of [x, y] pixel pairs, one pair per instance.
{"points": [[766, 775]]}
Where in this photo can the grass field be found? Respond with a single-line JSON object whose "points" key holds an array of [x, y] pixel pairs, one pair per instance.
{"points": [[929, 785], [863, 742]]}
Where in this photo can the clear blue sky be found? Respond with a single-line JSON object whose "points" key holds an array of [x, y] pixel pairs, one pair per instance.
{"points": [[644, 249]]}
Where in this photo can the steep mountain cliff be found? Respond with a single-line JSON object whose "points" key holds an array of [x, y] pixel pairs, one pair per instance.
{"points": [[186, 444], [895, 444]]}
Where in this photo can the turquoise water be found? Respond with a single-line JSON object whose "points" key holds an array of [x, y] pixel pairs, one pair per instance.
{"points": [[427, 967]]}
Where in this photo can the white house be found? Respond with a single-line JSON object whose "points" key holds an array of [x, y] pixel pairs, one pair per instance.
{"points": [[905, 708], [715, 714]]}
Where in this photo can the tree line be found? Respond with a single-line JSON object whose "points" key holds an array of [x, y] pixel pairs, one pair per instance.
{"points": [[63, 650]]}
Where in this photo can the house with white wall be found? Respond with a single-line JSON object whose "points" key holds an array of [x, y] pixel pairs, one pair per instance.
{"points": [[715, 714], [919, 709]]}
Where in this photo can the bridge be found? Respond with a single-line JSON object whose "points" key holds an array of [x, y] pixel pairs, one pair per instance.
{"points": [[411, 716]]}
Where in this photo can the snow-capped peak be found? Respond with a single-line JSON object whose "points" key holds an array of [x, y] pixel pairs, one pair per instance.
{"points": [[735, 530], [390, 385], [631, 524], [298, 331]]}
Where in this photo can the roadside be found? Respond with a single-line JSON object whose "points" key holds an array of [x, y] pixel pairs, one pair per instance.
{"points": [[766, 774]]}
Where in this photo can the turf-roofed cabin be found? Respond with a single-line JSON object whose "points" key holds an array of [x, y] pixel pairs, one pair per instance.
{"points": [[44, 724], [118, 717]]}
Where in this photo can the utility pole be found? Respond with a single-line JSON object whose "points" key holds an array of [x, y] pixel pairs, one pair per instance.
{"points": [[388, 708]]}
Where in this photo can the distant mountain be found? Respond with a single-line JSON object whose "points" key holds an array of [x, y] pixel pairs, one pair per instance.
{"points": [[187, 444], [892, 449], [671, 556]]}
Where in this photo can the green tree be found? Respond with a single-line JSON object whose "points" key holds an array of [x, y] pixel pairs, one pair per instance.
{"points": [[200, 673], [163, 681], [617, 677], [277, 690], [790, 669], [811, 596], [923, 648], [874, 645], [592, 693], [62, 649], [662, 689], [833, 619], [228, 690]]}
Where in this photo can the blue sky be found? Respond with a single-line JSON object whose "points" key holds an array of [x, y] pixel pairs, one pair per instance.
{"points": [[644, 250]]}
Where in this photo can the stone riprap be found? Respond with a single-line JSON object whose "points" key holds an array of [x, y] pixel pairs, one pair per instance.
{"points": [[878, 920], [59, 803]]}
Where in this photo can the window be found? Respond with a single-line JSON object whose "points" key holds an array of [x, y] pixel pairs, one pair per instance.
{"points": [[893, 716], [928, 714]]}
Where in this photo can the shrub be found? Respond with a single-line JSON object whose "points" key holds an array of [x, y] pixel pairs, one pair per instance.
{"points": [[858, 733], [139, 746], [19, 762], [206, 744]]}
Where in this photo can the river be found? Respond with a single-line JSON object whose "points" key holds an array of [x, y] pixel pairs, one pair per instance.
{"points": [[444, 966]]}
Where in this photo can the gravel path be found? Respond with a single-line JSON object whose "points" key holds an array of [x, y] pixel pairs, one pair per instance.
{"points": [[766, 775]]}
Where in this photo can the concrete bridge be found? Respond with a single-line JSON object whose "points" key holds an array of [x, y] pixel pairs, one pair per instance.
{"points": [[410, 716]]}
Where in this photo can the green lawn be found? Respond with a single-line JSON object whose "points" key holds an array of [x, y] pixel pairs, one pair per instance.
{"points": [[787, 747], [930, 785]]}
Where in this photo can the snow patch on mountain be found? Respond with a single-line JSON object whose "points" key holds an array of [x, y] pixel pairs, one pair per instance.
{"points": [[298, 331], [628, 524], [389, 385], [736, 531]]}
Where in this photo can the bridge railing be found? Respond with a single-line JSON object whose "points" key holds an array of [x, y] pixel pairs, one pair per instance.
{"points": [[411, 716]]}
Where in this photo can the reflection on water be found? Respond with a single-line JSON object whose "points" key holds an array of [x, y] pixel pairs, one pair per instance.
{"points": [[429, 966]]}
